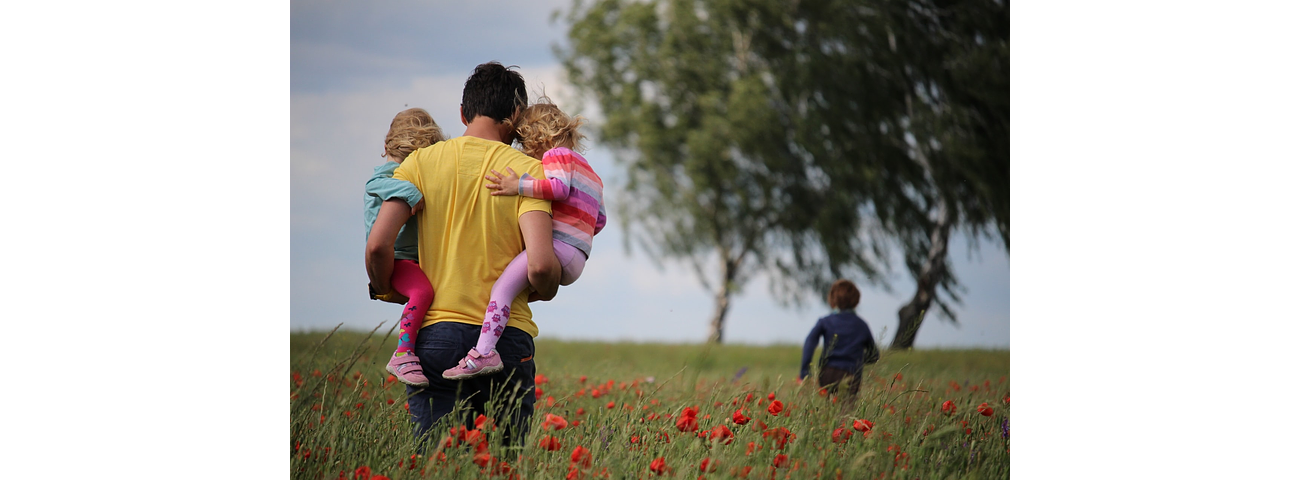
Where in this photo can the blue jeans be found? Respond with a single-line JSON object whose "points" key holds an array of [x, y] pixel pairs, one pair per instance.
{"points": [[441, 346]]}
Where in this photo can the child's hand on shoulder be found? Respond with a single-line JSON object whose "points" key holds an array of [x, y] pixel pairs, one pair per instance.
{"points": [[503, 184]]}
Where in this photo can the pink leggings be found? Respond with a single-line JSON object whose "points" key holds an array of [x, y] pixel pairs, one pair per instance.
{"points": [[410, 281], [514, 280]]}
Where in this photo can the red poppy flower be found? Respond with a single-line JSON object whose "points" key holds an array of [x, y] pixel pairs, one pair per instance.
{"points": [[781, 460], [687, 422], [709, 465], [480, 421], [581, 455], [741, 473], [540, 379], [749, 397], [739, 417], [538, 392], [609, 405], [948, 408], [721, 432], [775, 407], [574, 473], [554, 422], [483, 459], [362, 473], [781, 435], [659, 466], [582, 379], [985, 409], [378, 477], [840, 435], [549, 443], [771, 396]]}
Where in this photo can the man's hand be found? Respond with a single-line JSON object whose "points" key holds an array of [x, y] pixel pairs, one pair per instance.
{"points": [[543, 267], [379, 247], [418, 206], [502, 184]]}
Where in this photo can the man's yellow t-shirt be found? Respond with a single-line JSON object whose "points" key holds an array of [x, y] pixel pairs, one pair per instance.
{"points": [[468, 236]]}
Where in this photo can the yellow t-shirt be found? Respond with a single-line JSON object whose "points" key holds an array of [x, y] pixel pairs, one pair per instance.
{"points": [[468, 236]]}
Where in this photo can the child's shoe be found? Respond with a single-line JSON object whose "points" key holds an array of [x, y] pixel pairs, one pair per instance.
{"points": [[473, 365], [407, 370]]}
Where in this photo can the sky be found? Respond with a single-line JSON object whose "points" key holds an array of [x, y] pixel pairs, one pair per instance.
{"points": [[353, 65]]}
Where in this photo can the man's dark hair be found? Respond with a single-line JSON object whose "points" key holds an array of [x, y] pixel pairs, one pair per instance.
{"points": [[494, 91]]}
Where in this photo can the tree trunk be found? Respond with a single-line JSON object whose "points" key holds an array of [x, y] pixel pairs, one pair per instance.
{"points": [[932, 272], [722, 299]]}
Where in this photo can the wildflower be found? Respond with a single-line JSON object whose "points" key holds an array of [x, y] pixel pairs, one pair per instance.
{"points": [[687, 422], [740, 472], [549, 443], [581, 456], [582, 379], [709, 465], [390, 401], [781, 460], [538, 392], [840, 435], [554, 422], [540, 379], [863, 425], [659, 466], [898, 376], [948, 408], [749, 449], [775, 407], [985, 409], [480, 421], [771, 396], [739, 417], [781, 435], [581, 411], [361, 473], [609, 405], [721, 432], [749, 397]]}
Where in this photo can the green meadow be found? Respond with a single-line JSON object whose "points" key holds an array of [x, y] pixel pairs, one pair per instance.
{"points": [[627, 410]]}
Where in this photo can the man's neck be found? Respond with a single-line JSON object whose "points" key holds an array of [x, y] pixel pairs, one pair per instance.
{"points": [[484, 127]]}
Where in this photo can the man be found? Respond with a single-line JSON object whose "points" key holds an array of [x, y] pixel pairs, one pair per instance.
{"points": [[467, 237]]}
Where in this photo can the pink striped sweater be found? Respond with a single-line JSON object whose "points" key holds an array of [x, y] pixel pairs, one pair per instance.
{"points": [[575, 192]]}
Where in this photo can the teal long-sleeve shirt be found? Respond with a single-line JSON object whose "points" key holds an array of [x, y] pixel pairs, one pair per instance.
{"points": [[382, 186]]}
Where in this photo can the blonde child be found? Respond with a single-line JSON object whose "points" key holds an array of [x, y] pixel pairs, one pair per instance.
{"points": [[575, 192], [410, 130]]}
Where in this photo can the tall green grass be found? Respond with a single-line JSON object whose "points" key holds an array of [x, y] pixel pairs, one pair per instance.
{"points": [[342, 379]]}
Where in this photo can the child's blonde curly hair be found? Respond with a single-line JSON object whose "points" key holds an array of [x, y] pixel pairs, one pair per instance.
{"points": [[542, 126], [411, 130]]}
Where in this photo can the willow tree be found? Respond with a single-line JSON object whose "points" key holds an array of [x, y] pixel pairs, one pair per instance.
{"points": [[709, 169], [808, 139]]}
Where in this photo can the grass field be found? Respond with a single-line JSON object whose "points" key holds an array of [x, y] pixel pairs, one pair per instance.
{"points": [[663, 411]]}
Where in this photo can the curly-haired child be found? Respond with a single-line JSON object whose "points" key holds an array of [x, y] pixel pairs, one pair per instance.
{"points": [[410, 130], [578, 212]]}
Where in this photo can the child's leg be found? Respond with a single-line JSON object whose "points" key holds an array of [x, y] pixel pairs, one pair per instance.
{"points": [[512, 281], [410, 281], [572, 262]]}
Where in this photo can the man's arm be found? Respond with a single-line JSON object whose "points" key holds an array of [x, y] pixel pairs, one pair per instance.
{"points": [[543, 267], [810, 344], [379, 247]]}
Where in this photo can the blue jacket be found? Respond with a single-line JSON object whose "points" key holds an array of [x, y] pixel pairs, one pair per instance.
{"points": [[847, 340]]}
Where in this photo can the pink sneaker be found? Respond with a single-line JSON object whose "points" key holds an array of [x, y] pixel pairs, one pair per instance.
{"points": [[473, 365], [407, 370]]}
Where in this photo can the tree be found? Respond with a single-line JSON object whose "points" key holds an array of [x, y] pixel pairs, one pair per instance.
{"points": [[808, 139]]}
